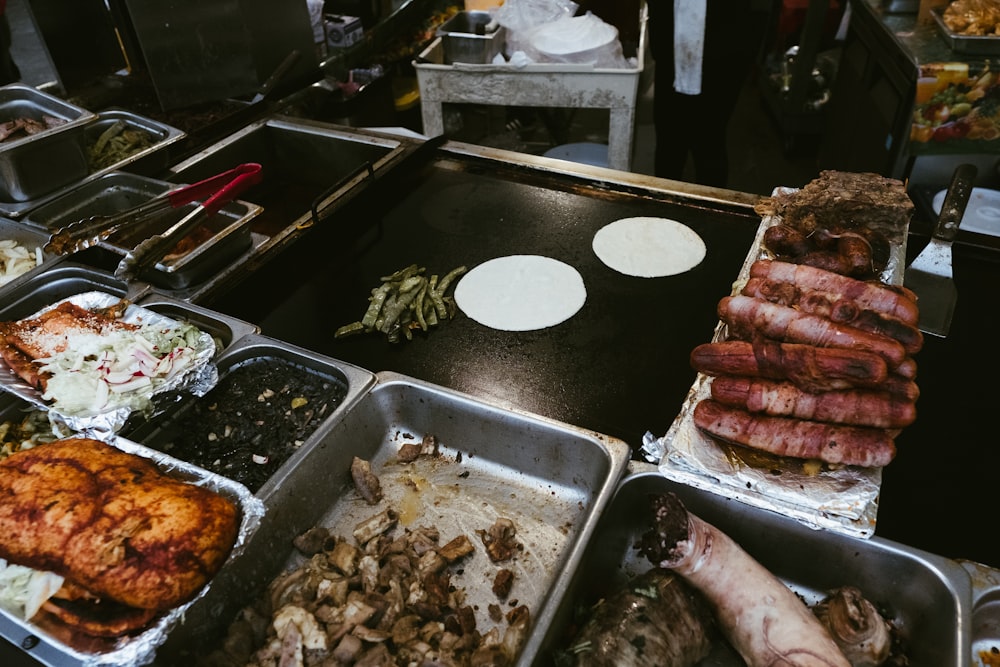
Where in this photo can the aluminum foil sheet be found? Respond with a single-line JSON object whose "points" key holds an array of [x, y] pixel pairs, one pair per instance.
{"points": [[843, 499], [198, 379], [138, 649]]}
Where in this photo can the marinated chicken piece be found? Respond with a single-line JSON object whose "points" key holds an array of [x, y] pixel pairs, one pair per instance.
{"points": [[51, 331], [107, 520], [24, 341]]}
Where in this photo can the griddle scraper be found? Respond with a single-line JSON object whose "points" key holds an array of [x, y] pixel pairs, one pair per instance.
{"points": [[929, 276]]}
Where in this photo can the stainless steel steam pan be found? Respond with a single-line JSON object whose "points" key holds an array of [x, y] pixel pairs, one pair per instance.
{"points": [[347, 384], [152, 157], [69, 278], [225, 235], [29, 239], [927, 596], [37, 164], [551, 479], [66, 278], [305, 166]]}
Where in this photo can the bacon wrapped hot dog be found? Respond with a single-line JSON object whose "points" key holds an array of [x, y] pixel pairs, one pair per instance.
{"points": [[809, 367], [798, 438], [874, 408]]}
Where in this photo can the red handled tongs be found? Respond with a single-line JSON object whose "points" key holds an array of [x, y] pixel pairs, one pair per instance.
{"points": [[214, 192]]}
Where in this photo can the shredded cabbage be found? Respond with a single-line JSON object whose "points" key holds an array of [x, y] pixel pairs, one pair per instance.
{"points": [[23, 590]]}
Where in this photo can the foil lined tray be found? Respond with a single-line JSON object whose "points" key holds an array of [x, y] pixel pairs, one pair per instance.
{"points": [[51, 647], [844, 499], [199, 378]]}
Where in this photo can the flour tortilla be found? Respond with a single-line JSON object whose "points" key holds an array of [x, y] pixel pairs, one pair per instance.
{"points": [[649, 247], [521, 293]]}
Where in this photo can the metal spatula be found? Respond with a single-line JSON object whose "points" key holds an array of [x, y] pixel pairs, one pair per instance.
{"points": [[929, 276]]}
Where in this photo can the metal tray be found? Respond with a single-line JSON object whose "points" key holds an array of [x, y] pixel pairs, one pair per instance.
{"points": [[980, 45], [225, 329], [29, 238], [553, 480], [929, 597], [49, 649], [65, 278], [253, 348], [465, 38], [148, 160], [118, 191], [35, 165]]}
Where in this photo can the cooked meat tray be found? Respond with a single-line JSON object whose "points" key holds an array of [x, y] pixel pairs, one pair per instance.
{"points": [[550, 479], [927, 597]]}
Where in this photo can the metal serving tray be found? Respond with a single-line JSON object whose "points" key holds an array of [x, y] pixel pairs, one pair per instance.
{"points": [[226, 330], [114, 192], [28, 238], [147, 161], [466, 40], [35, 165], [928, 597], [350, 380], [67, 278], [551, 479]]}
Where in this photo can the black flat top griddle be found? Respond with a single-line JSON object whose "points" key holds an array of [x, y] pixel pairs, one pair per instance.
{"points": [[620, 366]]}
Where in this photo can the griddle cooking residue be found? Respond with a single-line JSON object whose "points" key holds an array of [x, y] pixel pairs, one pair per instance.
{"points": [[253, 420]]}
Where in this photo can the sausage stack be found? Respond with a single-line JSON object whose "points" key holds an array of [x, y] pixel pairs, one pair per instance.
{"points": [[816, 365]]}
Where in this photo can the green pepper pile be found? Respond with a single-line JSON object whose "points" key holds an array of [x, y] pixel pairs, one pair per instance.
{"points": [[405, 301]]}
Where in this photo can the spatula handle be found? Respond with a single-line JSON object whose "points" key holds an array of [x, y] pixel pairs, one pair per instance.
{"points": [[955, 202]]}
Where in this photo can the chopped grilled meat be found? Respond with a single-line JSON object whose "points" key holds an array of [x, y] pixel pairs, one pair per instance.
{"points": [[365, 481]]}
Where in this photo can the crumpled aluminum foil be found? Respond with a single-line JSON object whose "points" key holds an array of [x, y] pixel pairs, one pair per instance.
{"points": [[843, 499], [141, 649], [197, 380]]}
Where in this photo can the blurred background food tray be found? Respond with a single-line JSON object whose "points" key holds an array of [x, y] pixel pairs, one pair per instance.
{"points": [[981, 45]]}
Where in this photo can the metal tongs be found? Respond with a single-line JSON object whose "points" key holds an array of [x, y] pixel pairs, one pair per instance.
{"points": [[216, 191]]}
